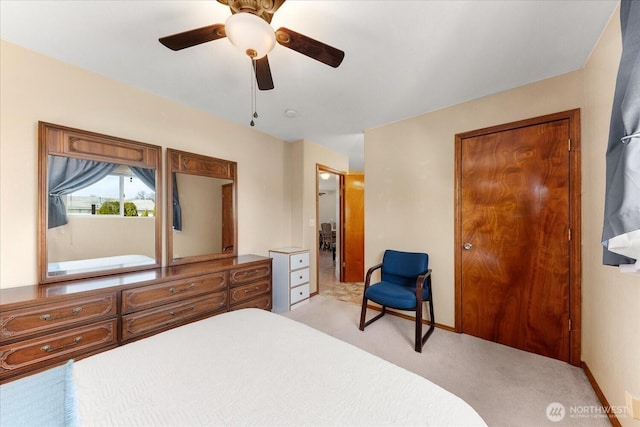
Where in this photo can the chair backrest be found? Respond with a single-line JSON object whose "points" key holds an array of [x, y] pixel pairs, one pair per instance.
{"points": [[325, 227], [403, 267]]}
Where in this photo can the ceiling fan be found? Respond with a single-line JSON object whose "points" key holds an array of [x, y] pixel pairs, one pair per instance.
{"points": [[249, 29]]}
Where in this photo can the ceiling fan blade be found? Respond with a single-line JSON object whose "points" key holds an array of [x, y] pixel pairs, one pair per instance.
{"points": [[194, 37], [310, 47], [263, 73]]}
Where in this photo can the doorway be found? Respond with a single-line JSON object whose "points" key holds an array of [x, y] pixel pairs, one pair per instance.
{"points": [[340, 248], [517, 235], [329, 219]]}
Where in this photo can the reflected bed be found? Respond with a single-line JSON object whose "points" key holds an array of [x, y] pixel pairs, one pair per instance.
{"points": [[93, 264]]}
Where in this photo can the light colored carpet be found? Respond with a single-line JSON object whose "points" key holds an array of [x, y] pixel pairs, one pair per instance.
{"points": [[506, 386]]}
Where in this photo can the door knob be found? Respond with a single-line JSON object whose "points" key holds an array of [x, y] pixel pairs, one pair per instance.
{"points": [[467, 246]]}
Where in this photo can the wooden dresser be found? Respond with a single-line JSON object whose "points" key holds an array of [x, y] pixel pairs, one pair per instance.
{"points": [[45, 325]]}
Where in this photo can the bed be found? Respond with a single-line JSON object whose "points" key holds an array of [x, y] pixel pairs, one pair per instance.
{"points": [[92, 264], [248, 367]]}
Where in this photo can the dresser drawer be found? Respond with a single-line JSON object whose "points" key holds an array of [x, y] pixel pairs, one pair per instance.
{"points": [[299, 293], [154, 295], [300, 304], [62, 345], [243, 293], [300, 260], [240, 276], [150, 320], [38, 319], [299, 277], [263, 303]]}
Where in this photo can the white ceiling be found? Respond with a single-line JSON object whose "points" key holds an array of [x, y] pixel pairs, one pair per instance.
{"points": [[403, 58]]}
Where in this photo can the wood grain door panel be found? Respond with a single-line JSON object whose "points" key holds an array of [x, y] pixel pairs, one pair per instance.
{"points": [[354, 228], [514, 219]]}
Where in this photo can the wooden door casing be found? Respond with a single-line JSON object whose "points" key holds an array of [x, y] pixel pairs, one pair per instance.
{"points": [[228, 226], [517, 204], [340, 225]]}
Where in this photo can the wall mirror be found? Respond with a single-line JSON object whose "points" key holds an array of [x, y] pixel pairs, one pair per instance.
{"points": [[201, 208], [99, 211]]}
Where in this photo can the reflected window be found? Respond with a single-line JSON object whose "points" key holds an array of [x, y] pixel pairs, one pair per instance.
{"points": [[121, 193]]}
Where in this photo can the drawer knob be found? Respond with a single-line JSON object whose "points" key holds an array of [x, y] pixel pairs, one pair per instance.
{"points": [[48, 348], [300, 277], [73, 312], [186, 288]]}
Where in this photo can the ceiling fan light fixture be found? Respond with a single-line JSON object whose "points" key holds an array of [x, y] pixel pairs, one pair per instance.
{"points": [[251, 34]]}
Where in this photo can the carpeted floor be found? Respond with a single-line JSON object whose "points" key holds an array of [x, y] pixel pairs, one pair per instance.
{"points": [[506, 386]]}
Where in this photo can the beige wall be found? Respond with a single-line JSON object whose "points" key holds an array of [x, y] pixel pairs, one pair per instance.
{"points": [[201, 208], [327, 207], [96, 236], [303, 186], [409, 204], [610, 299], [34, 87]]}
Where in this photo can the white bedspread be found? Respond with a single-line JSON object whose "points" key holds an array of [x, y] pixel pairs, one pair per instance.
{"points": [[252, 367]]}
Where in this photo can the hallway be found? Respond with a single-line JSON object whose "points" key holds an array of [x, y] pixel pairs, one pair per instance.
{"points": [[329, 285]]}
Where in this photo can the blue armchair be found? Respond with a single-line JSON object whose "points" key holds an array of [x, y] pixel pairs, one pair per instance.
{"points": [[405, 284]]}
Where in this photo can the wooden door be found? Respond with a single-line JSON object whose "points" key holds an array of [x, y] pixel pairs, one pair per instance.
{"points": [[228, 227], [514, 241], [353, 228]]}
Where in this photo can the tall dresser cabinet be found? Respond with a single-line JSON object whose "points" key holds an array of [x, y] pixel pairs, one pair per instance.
{"points": [[290, 278], [46, 325]]}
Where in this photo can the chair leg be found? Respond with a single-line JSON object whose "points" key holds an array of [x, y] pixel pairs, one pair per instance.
{"points": [[363, 314], [418, 344], [420, 340], [432, 320]]}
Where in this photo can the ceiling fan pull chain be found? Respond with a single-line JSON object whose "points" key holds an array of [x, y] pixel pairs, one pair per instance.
{"points": [[253, 92]]}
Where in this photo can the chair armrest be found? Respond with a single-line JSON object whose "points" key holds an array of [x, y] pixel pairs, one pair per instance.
{"points": [[421, 279], [369, 273]]}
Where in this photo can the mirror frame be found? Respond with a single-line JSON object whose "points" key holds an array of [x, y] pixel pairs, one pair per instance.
{"points": [[69, 142], [201, 165]]}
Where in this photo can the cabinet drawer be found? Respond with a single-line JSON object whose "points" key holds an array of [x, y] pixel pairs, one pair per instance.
{"points": [[300, 304], [243, 293], [300, 260], [299, 293], [170, 315], [154, 295], [28, 321], [263, 303], [63, 345], [299, 277], [244, 275]]}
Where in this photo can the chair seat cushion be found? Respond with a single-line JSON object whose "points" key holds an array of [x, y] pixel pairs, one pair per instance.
{"points": [[395, 296]]}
